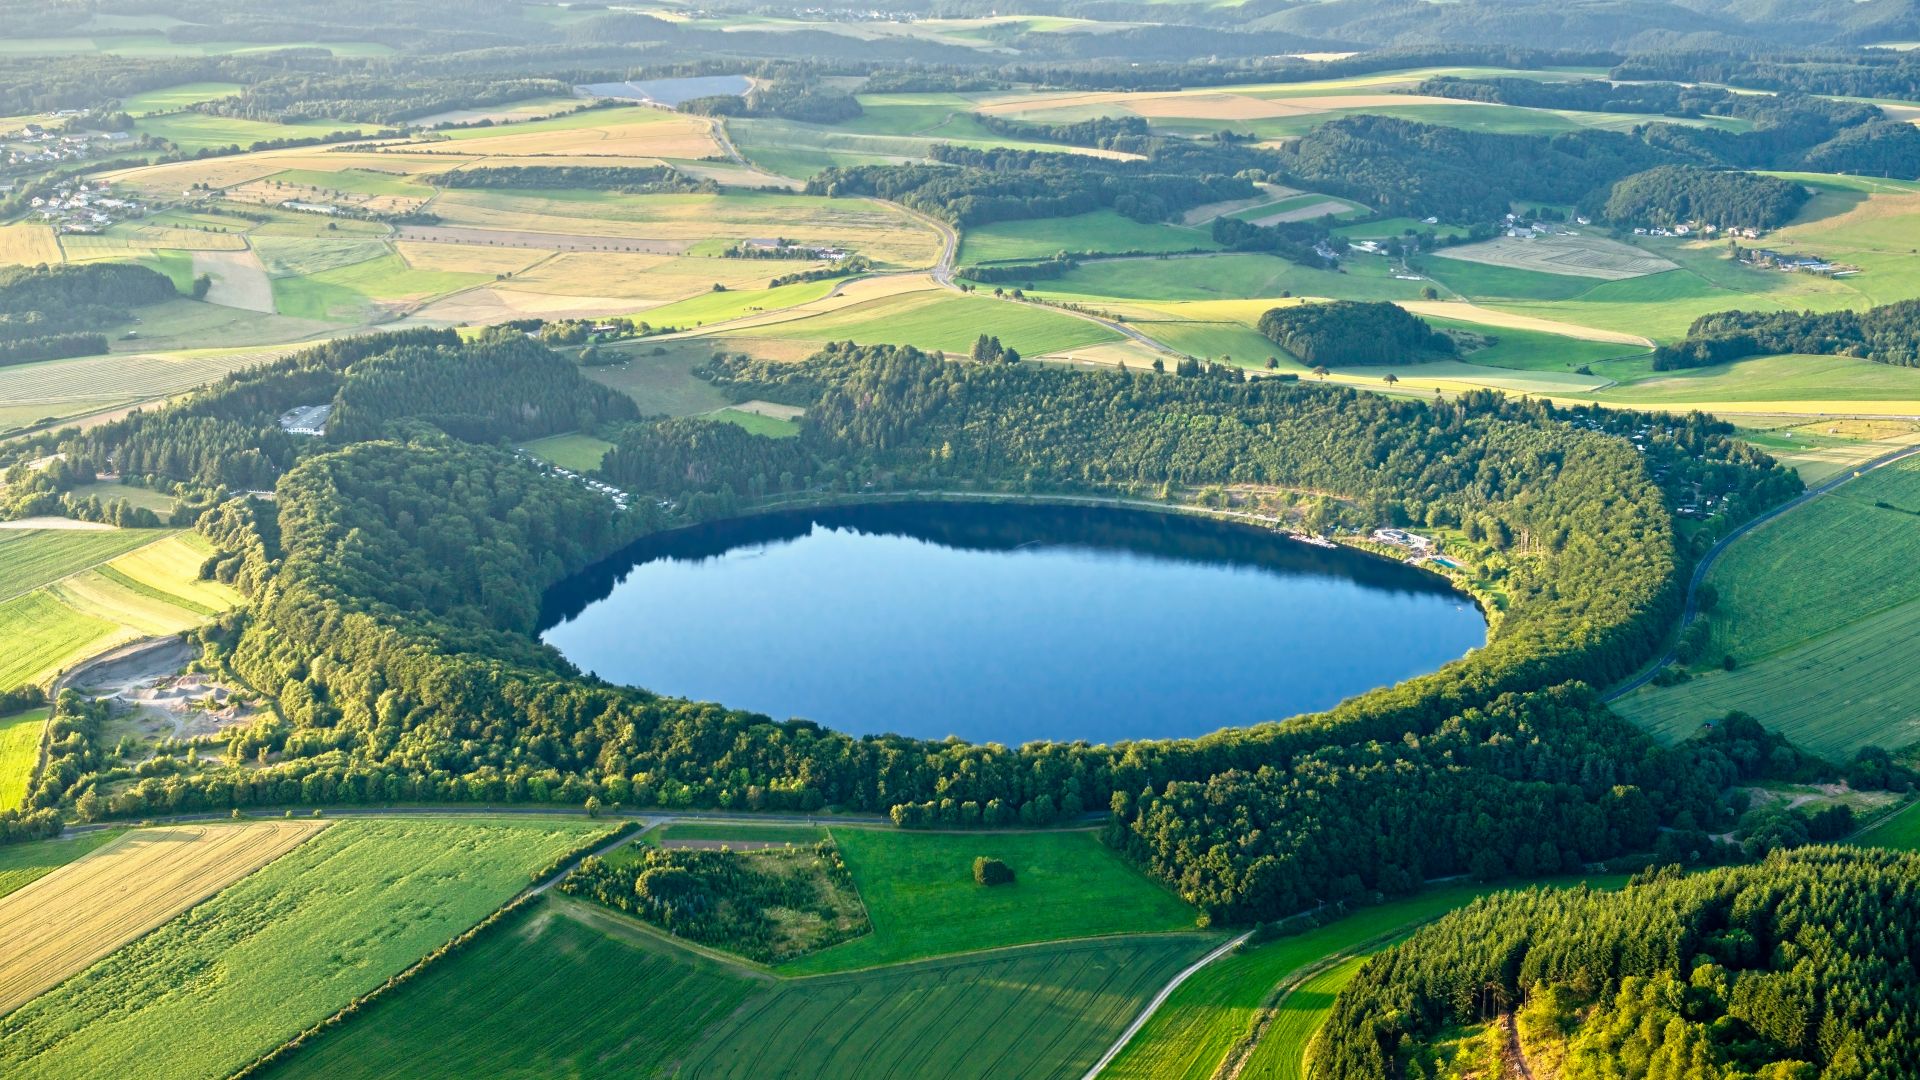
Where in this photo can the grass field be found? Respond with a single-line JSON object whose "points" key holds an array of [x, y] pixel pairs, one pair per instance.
{"points": [[204, 994], [770, 426], [19, 753], [1814, 606], [1574, 256], [63, 922], [1226, 277], [662, 383], [112, 491], [176, 98], [744, 831], [565, 990], [1046, 1011], [920, 893], [21, 864], [581, 453]]}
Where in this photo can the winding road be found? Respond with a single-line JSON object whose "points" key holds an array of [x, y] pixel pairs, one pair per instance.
{"points": [[1713, 553]]}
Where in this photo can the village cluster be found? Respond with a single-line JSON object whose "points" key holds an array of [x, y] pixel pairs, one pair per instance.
{"points": [[82, 206]]}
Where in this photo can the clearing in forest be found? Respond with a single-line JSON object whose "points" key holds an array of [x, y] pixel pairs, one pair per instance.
{"points": [[66, 920]]}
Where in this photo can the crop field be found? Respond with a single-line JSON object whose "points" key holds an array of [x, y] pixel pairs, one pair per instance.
{"points": [[284, 947], [920, 893], [43, 636], [1041, 1011], [1100, 230], [1574, 256], [938, 319], [566, 990], [28, 245], [1802, 384], [63, 922], [1281, 1053], [121, 377], [1813, 606], [1191, 1033], [19, 753], [365, 290], [771, 426], [581, 453], [30, 558], [193, 131], [24, 863]]}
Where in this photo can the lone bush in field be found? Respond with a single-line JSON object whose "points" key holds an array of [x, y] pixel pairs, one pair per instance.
{"points": [[992, 871]]}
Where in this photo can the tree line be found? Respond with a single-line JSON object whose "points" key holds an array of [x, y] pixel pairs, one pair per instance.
{"points": [[1888, 334], [626, 179]]}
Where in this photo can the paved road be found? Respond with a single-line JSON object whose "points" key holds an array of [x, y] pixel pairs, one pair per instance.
{"points": [[1713, 553]]}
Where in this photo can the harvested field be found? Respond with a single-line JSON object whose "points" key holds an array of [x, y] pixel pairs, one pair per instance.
{"points": [[64, 921], [656, 278], [1269, 193], [1575, 256], [548, 241], [607, 133], [28, 245], [464, 258], [492, 304], [239, 280], [124, 377]]}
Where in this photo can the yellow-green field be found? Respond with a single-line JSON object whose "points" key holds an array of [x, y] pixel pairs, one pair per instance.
{"points": [[19, 753]]}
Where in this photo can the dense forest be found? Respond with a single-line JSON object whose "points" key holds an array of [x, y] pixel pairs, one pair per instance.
{"points": [[1005, 185], [1888, 334], [1404, 167], [397, 581], [1677, 194], [52, 312], [1799, 968], [804, 99], [1098, 133], [1345, 332]]}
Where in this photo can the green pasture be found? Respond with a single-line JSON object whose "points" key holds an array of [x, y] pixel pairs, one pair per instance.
{"points": [[1045, 1011], [19, 754], [356, 181], [1100, 230], [564, 990], [1482, 281], [281, 949], [300, 256], [581, 453], [1534, 350], [657, 376], [108, 491], [21, 864], [734, 303], [920, 894], [43, 636]]}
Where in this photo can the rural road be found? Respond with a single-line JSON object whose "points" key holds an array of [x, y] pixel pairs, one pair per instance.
{"points": [[1158, 1000], [1713, 553]]}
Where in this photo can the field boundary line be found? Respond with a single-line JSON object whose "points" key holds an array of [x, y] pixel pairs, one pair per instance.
{"points": [[1700, 569], [93, 566], [1158, 1000]]}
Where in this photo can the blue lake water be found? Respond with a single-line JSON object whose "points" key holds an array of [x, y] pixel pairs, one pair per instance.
{"points": [[1002, 623]]}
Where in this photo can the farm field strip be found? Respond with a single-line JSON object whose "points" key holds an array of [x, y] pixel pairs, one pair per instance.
{"points": [[31, 558], [124, 376], [279, 950], [19, 754], [1281, 1054], [21, 864], [44, 636], [59, 924]]}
